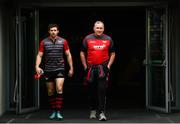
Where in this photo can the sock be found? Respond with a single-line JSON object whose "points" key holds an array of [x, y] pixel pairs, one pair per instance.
{"points": [[52, 102], [59, 101]]}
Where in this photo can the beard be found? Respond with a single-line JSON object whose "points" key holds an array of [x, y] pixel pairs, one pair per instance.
{"points": [[53, 35]]}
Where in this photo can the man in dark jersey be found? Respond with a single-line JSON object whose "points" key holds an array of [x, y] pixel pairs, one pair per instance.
{"points": [[97, 55], [53, 48]]}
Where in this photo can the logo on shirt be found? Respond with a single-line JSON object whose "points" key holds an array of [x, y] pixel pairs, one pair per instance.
{"points": [[99, 47], [91, 41], [104, 41], [60, 41]]}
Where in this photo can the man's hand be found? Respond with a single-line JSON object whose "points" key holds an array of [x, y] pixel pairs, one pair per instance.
{"points": [[39, 73], [71, 72], [39, 70]]}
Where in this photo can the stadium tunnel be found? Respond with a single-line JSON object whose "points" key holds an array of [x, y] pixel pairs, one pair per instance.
{"points": [[126, 26]]}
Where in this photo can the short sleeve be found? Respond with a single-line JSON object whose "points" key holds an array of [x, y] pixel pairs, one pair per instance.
{"points": [[66, 46], [111, 47], [84, 45], [41, 46]]}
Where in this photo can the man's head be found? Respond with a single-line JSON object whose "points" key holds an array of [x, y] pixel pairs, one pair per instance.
{"points": [[53, 30], [98, 28]]}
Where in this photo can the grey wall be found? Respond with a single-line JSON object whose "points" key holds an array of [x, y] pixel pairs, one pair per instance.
{"points": [[77, 2], [2, 74], [177, 54]]}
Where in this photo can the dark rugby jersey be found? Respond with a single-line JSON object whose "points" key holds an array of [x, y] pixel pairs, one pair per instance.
{"points": [[53, 53], [97, 48]]}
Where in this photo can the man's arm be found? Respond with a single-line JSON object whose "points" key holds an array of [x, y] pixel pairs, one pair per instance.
{"points": [[83, 59], [70, 62], [38, 62], [111, 59]]}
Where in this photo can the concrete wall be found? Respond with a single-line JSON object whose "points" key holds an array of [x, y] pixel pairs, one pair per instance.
{"points": [[177, 54], [2, 82], [81, 2]]}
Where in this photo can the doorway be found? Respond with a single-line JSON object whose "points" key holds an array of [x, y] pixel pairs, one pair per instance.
{"points": [[126, 26], [137, 31]]}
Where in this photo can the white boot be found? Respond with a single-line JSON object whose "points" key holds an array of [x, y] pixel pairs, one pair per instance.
{"points": [[102, 117], [92, 114]]}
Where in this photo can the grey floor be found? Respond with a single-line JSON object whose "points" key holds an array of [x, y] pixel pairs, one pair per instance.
{"points": [[81, 116]]}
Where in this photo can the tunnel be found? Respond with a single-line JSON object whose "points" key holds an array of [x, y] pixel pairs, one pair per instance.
{"points": [[127, 27]]}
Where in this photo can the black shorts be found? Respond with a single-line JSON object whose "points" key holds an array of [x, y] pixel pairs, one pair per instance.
{"points": [[52, 75]]}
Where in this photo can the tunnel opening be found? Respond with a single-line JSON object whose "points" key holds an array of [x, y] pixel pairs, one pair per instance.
{"points": [[126, 26]]}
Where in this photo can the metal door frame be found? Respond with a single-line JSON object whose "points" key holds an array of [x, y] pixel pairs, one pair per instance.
{"points": [[18, 86], [167, 108]]}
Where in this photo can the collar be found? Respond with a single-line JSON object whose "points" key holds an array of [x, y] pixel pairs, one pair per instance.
{"points": [[53, 38], [98, 36]]}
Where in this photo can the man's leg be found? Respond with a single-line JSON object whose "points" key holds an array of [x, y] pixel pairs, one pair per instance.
{"points": [[52, 99], [92, 99], [59, 96], [102, 99]]}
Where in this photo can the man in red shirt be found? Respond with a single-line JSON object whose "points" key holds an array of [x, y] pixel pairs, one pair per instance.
{"points": [[97, 55], [52, 48]]}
